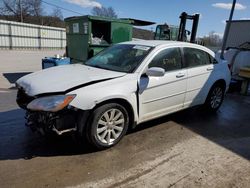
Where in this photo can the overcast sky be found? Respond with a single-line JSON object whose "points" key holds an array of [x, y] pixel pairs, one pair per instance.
{"points": [[213, 12]]}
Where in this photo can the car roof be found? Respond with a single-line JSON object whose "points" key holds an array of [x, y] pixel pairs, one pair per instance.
{"points": [[151, 43], [166, 43]]}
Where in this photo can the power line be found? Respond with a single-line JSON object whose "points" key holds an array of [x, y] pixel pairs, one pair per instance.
{"points": [[61, 7]]}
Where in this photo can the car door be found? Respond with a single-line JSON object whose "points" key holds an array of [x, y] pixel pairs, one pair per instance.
{"points": [[200, 70], [161, 95]]}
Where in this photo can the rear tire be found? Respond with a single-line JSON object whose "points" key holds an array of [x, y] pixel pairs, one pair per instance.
{"points": [[107, 125], [215, 98]]}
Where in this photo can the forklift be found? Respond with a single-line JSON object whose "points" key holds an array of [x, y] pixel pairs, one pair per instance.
{"points": [[170, 32]]}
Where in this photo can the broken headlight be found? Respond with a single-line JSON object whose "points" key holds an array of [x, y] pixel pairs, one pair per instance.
{"points": [[51, 103]]}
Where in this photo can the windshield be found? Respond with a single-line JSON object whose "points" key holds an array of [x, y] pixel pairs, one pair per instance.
{"points": [[120, 57]]}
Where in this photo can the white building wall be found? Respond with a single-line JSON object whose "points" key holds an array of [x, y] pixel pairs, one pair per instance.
{"points": [[21, 35]]}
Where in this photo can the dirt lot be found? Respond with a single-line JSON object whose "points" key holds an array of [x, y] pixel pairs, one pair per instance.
{"points": [[186, 149]]}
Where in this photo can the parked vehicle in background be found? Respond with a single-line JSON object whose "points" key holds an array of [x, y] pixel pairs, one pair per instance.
{"points": [[122, 86], [237, 47], [237, 58]]}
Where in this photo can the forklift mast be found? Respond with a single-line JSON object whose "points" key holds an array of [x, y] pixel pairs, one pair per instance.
{"points": [[182, 28], [170, 32]]}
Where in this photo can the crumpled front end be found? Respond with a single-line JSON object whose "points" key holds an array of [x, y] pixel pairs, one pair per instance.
{"points": [[23, 99], [61, 121], [45, 122]]}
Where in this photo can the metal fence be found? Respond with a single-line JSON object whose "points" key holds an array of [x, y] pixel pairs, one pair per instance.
{"points": [[16, 35]]}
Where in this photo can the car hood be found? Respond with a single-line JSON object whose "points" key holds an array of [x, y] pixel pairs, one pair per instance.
{"points": [[63, 79]]}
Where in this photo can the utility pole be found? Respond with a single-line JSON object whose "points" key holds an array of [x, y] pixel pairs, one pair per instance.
{"points": [[21, 10], [226, 33]]}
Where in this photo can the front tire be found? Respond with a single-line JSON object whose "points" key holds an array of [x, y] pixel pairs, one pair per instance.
{"points": [[215, 98], [107, 125]]}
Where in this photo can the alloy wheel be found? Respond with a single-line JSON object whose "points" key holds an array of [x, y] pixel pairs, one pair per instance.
{"points": [[110, 126], [216, 97]]}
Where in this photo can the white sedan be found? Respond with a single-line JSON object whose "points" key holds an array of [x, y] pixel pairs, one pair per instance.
{"points": [[121, 87]]}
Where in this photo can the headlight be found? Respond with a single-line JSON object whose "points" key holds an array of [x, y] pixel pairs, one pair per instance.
{"points": [[50, 104]]}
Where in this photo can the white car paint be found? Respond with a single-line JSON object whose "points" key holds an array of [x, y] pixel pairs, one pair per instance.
{"points": [[154, 102], [158, 96], [201, 79], [120, 88], [62, 78]]}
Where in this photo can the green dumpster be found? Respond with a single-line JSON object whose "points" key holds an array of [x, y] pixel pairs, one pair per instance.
{"points": [[88, 35]]}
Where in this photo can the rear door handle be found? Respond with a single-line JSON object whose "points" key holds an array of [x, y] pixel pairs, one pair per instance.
{"points": [[180, 75]]}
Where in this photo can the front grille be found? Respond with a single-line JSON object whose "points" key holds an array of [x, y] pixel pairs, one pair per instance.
{"points": [[23, 99]]}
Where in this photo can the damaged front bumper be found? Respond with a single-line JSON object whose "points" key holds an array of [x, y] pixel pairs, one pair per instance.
{"points": [[45, 122], [67, 119]]}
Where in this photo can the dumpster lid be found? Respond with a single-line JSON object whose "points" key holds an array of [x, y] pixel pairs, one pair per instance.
{"points": [[138, 22], [99, 18]]}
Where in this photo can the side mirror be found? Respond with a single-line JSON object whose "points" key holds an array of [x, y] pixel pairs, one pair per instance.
{"points": [[155, 71]]}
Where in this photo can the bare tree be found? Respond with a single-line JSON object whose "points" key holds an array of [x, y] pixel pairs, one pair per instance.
{"points": [[104, 12], [213, 39], [36, 7], [30, 11], [21, 8], [57, 13]]}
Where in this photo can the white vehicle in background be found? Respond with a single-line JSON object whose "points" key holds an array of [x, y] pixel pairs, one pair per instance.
{"points": [[124, 85], [237, 58]]}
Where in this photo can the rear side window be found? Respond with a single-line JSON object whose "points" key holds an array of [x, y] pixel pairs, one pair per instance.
{"points": [[195, 57], [168, 59]]}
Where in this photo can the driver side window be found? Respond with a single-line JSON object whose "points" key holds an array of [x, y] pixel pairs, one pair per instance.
{"points": [[168, 59]]}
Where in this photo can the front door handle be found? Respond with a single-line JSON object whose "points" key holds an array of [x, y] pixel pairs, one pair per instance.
{"points": [[180, 75]]}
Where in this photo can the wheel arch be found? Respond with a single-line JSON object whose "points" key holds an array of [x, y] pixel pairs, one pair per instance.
{"points": [[126, 104], [221, 82], [84, 115]]}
